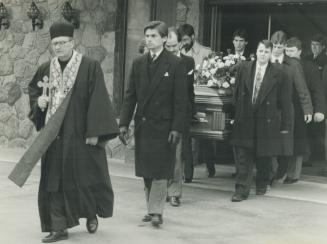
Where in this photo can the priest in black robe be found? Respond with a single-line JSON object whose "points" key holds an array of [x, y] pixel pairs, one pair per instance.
{"points": [[75, 181]]}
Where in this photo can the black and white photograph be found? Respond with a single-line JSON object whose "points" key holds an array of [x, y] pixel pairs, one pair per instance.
{"points": [[163, 121]]}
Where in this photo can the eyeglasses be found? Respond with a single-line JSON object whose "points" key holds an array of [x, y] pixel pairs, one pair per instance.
{"points": [[60, 43]]}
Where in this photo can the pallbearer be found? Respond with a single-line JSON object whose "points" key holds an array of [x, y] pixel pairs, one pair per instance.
{"points": [[75, 181]]}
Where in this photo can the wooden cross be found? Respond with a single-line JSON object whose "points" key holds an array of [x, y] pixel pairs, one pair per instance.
{"points": [[45, 86]]}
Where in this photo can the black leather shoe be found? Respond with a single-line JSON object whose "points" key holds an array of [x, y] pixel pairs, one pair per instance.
{"points": [[156, 220], [147, 218], [261, 191], [238, 197], [174, 201], [56, 236], [290, 181], [92, 225]]}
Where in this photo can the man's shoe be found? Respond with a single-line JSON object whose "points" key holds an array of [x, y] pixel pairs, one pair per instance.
{"points": [[92, 225], [174, 201], [290, 181], [147, 218], [261, 191], [56, 236], [156, 220], [238, 197]]}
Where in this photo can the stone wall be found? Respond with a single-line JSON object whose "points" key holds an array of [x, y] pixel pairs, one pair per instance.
{"points": [[188, 11], [22, 50]]}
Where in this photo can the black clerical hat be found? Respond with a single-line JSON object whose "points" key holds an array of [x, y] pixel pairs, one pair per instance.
{"points": [[61, 29]]}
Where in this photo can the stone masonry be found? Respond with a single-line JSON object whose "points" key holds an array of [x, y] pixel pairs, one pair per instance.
{"points": [[22, 50]]}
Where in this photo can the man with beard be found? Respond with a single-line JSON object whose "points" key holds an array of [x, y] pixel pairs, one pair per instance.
{"points": [[190, 47], [75, 182], [184, 158]]}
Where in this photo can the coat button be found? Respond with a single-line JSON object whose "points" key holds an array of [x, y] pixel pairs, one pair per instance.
{"points": [[268, 103], [268, 120], [143, 119]]}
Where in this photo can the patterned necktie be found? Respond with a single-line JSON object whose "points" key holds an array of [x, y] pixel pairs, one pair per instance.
{"points": [[153, 57], [258, 81]]}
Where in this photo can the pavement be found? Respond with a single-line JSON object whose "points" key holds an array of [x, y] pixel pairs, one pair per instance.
{"points": [[288, 214]]}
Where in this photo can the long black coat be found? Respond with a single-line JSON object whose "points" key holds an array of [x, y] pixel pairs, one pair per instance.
{"points": [[316, 89], [258, 126], [295, 142], [161, 108], [78, 170]]}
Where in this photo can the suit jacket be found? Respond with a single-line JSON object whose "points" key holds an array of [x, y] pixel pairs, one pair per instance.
{"points": [[161, 108], [190, 67], [198, 52], [257, 126], [320, 60]]}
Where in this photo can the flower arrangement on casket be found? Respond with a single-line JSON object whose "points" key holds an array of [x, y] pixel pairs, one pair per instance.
{"points": [[218, 71]]}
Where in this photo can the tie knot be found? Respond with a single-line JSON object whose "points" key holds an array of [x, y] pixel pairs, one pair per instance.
{"points": [[153, 57]]}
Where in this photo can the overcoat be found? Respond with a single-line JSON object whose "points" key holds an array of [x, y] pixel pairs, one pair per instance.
{"points": [[295, 142], [161, 108], [258, 126], [316, 89]]}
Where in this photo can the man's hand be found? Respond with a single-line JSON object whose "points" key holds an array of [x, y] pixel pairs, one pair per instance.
{"points": [[307, 118], [123, 136], [174, 137], [92, 141], [318, 117], [42, 102]]}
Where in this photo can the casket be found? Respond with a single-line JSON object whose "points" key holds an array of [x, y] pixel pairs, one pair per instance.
{"points": [[213, 109]]}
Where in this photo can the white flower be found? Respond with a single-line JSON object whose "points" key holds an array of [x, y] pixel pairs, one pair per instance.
{"points": [[232, 80], [207, 74], [225, 84], [204, 64], [212, 61], [213, 70], [197, 67], [243, 58], [210, 83], [221, 65]]}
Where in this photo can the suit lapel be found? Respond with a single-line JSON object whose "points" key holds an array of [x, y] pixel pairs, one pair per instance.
{"points": [[159, 74], [267, 83]]}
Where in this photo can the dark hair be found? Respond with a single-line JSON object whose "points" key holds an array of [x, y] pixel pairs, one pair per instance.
{"points": [[279, 37], [318, 38], [294, 42], [266, 43], [185, 29], [174, 30], [158, 25], [241, 33]]}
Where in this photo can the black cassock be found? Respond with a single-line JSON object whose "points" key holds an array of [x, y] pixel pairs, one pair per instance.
{"points": [[78, 170]]}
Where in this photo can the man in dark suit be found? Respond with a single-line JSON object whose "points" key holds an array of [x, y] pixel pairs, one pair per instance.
{"points": [[313, 81], [240, 40], [157, 85], [316, 131], [302, 106], [184, 158], [262, 115]]}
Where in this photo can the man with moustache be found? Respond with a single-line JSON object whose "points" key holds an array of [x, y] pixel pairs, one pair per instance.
{"points": [[157, 86], [262, 116], [184, 158]]}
